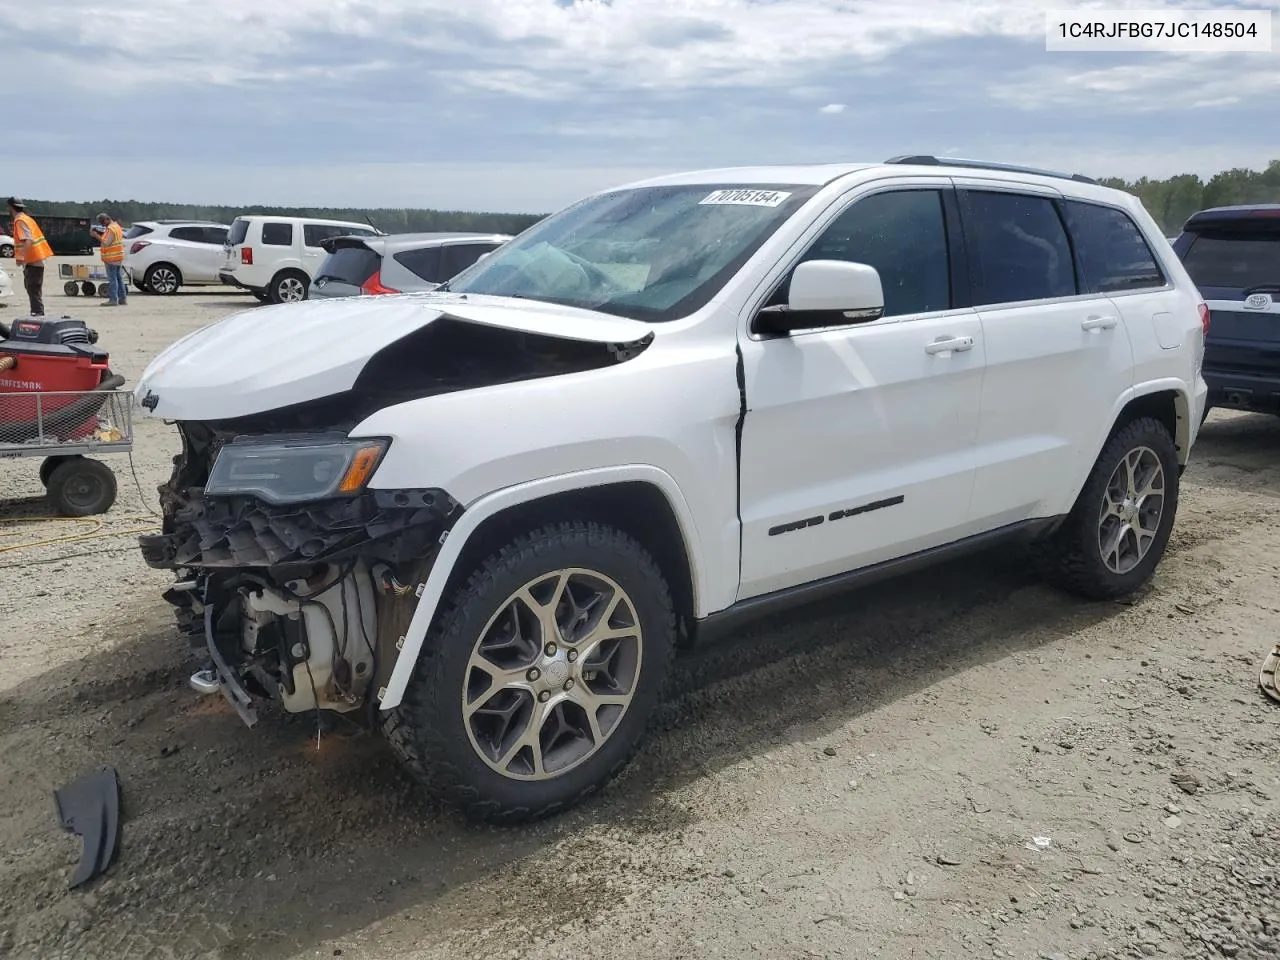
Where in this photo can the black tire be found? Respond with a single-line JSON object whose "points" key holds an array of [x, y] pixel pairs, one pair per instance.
{"points": [[49, 465], [1205, 416], [286, 283], [80, 487], [1071, 558], [71, 288], [88, 288], [262, 297], [6, 251], [428, 731], [162, 279]]}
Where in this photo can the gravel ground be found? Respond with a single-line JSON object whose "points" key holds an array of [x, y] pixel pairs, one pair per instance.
{"points": [[963, 764]]}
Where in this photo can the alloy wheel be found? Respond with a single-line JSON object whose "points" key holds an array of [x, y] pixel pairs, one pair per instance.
{"points": [[552, 674], [164, 280], [291, 290], [1131, 510]]}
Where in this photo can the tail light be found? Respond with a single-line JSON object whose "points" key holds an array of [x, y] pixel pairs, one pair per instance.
{"points": [[246, 255], [374, 285], [139, 246], [1204, 318]]}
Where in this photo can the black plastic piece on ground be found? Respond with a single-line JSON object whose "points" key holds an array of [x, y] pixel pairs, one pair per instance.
{"points": [[90, 808]]}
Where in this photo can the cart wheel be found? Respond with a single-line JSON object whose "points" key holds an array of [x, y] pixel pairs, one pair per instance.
{"points": [[103, 289], [71, 288], [80, 487], [51, 464], [87, 288]]}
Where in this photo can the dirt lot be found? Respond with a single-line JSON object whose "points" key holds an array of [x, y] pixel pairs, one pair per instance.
{"points": [[862, 780]]}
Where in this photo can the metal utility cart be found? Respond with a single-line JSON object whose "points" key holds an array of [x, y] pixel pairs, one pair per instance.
{"points": [[89, 279], [66, 427]]}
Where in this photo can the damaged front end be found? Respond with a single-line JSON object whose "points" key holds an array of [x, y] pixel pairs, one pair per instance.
{"points": [[292, 573], [285, 563]]}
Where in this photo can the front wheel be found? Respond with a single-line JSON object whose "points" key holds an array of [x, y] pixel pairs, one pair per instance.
{"points": [[1116, 534], [538, 682], [6, 250]]}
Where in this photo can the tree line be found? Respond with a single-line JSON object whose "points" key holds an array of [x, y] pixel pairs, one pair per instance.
{"points": [[1169, 201], [389, 220]]}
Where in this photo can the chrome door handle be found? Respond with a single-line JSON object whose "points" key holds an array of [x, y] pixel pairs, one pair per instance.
{"points": [[949, 345], [1097, 323]]}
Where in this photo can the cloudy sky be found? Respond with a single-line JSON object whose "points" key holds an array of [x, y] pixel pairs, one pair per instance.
{"points": [[524, 105]]}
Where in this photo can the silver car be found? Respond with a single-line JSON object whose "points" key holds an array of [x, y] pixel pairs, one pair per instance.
{"points": [[399, 263]]}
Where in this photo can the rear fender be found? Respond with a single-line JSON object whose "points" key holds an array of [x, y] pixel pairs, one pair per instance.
{"points": [[1187, 423]]}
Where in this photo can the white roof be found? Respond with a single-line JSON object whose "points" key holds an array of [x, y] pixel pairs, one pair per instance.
{"points": [[811, 173], [820, 174]]}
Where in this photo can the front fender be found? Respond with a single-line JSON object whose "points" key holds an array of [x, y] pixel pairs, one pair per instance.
{"points": [[432, 590]]}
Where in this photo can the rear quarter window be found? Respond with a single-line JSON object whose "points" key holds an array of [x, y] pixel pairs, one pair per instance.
{"points": [[423, 262], [136, 231], [1241, 256], [1112, 253], [277, 234], [239, 230]]}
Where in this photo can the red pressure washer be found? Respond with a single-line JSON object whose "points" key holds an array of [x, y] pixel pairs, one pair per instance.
{"points": [[60, 400]]}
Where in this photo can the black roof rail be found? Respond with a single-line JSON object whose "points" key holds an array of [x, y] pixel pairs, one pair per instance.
{"points": [[925, 160]]}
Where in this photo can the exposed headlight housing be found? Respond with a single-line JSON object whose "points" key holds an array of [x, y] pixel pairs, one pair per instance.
{"points": [[297, 470]]}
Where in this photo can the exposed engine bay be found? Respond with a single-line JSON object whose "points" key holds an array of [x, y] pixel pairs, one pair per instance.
{"points": [[290, 571], [285, 598]]}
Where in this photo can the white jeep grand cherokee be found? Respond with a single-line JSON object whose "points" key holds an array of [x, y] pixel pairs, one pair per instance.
{"points": [[485, 518]]}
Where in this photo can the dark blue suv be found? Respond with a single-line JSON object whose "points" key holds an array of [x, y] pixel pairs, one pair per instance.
{"points": [[1233, 255]]}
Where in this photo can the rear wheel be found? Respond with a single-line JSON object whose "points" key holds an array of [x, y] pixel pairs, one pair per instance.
{"points": [[162, 278], [288, 286], [538, 682], [80, 487], [1115, 536]]}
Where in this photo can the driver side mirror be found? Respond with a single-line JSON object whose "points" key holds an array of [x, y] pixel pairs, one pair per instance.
{"points": [[825, 293]]}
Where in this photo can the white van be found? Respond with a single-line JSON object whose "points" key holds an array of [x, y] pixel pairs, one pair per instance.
{"points": [[275, 258]]}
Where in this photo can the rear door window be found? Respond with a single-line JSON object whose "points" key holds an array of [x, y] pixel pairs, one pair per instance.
{"points": [[277, 234], [1112, 253], [1019, 248], [353, 265], [239, 230], [314, 234], [456, 257], [1241, 257], [423, 262]]}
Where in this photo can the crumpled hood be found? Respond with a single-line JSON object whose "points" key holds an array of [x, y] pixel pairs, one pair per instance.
{"points": [[266, 358]]}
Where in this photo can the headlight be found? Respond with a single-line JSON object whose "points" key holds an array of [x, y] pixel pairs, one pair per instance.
{"points": [[294, 471]]}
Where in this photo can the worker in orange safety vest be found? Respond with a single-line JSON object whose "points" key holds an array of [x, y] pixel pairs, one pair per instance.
{"points": [[30, 251], [111, 245]]}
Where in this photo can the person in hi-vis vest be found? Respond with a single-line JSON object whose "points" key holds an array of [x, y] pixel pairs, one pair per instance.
{"points": [[30, 251], [111, 245]]}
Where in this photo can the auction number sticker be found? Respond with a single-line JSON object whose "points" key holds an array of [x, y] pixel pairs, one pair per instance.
{"points": [[746, 198]]}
